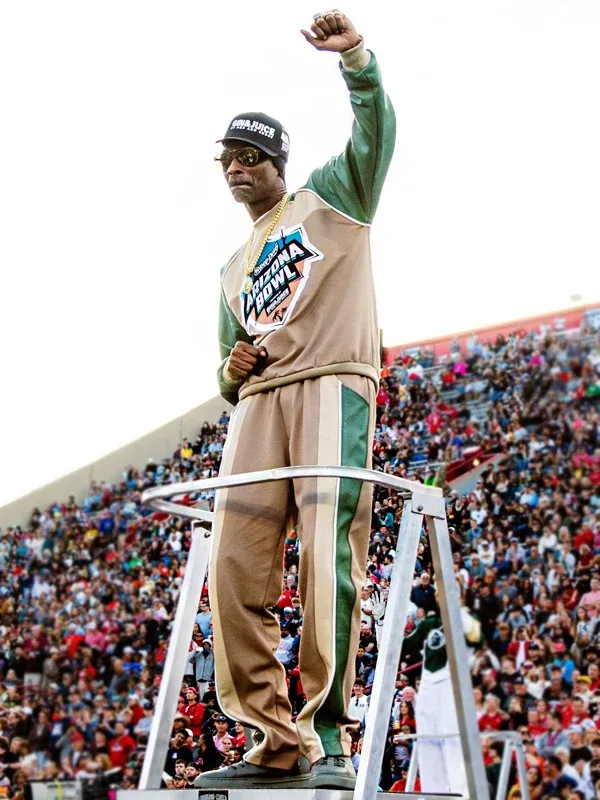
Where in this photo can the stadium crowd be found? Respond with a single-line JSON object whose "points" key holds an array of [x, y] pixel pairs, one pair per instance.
{"points": [[88, 589]]}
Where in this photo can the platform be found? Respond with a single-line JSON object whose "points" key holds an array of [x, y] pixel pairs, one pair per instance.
{"points": [[423, 506], [262, 794]]}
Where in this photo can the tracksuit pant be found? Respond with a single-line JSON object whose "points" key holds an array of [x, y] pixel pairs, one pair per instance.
{"points": [[441, 764], [325, 421]]}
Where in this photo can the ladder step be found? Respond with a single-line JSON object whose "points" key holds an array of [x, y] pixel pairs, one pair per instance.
{"points": [[263, 794]]}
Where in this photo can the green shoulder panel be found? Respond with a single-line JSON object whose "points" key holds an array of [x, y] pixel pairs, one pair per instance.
{"points": [[352, 181]]}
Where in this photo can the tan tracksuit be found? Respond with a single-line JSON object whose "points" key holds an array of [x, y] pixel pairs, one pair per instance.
{"points": [[312, 306]]}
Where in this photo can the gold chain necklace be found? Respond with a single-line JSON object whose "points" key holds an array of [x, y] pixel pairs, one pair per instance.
{"points": [[249, 267]]}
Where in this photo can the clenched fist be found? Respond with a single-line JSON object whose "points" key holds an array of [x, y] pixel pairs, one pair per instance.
{"points": [[242, 361], [332, 31]]}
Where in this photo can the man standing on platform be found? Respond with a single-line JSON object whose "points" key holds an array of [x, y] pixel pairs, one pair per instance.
{"points": [[300, 348]]}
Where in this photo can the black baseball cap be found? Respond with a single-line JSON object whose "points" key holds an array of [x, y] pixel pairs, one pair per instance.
{"points": [[261, 130]]}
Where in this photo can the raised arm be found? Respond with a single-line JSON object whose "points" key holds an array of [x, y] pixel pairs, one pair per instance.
{"points": [[352, 181]]}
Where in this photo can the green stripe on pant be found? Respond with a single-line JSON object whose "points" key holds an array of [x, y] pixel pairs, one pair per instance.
{"points": [[354, 453]]}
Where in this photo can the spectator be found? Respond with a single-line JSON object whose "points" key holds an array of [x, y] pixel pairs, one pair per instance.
{"points": [[423, 594], [493, 719], [204, 618], [284, 652], [359, 703], [121, 746], [192, 711], [555, 780], [88, 589], [554, 738], [178, 752], [221, 737]]}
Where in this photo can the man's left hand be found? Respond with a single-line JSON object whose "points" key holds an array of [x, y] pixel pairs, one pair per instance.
{"points": [[332, 31]]}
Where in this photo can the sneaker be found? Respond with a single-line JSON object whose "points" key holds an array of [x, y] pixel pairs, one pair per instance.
{"points": [[245, 775], [332, 772]]}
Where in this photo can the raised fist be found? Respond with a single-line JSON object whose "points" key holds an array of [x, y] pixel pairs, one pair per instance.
{"points": [[332, 31], [242, 361]]}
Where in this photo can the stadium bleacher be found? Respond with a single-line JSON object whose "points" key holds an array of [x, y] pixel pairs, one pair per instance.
{"points": [[87, 589]]}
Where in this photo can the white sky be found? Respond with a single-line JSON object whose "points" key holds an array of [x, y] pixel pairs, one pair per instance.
{"points": [[114, 221]]}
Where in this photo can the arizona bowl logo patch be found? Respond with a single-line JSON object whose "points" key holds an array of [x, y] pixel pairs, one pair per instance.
{"points": [[278, 280]]}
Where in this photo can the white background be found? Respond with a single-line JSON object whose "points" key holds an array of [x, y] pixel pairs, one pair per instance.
{"points": [[114, 221]]}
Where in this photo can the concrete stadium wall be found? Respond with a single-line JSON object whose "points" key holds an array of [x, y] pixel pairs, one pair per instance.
{"points": [[158, 444]]}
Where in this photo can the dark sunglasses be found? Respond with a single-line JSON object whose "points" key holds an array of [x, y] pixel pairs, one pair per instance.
{"points": [[246, 156]]}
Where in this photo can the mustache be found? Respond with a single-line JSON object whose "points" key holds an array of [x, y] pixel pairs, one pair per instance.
{"points": [[233, 183]]}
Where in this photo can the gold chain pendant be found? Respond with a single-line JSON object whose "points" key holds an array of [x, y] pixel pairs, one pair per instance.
{"points": [[250, 267]]}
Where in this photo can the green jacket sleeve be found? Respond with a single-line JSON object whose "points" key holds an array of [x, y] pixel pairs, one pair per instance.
{"points": [[230, 332], [413, 643], [352, 181]]}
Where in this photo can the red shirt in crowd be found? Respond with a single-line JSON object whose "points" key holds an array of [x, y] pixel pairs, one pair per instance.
{"points": [[400, 786], [513, 648], [296, 674], [491, 722], [568, 718], [119, 750], [433, 422], [195, 713], [584, 536], [137, 712], [286, 598], [382, 397], [73, 643], [536, 730]]}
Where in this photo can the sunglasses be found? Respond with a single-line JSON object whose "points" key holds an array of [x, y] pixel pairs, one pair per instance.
{"points": [[246, 156]]}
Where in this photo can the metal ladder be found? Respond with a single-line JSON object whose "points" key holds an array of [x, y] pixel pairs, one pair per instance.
{"points": [[422, 504]]}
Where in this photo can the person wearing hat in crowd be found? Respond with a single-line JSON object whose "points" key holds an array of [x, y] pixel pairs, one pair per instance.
{"points": [[209, 698], [74, 754], [178, 750], [359, 703], [192, 710], [203, 662], [288, 618], [423, 593], [300, 349], [221, 732], [582, 687], [521, 690]]}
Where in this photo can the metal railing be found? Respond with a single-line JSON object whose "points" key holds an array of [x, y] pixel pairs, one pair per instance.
{"points": [[423, 504], [513, 746]]}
